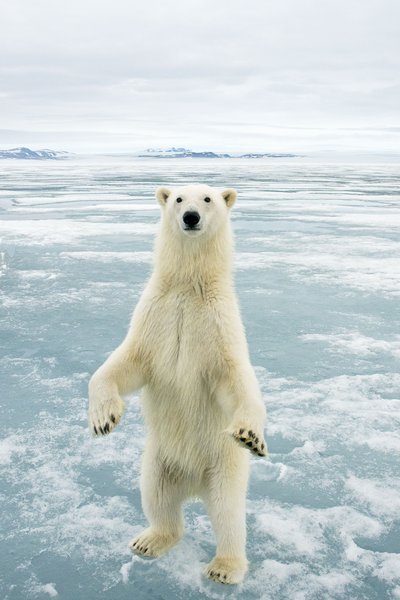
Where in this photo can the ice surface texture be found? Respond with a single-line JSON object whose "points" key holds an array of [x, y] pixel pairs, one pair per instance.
{"points": [[318, 278]]}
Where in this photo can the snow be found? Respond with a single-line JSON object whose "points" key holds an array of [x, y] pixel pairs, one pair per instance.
{"points": [[317, 274], [49, 589]]}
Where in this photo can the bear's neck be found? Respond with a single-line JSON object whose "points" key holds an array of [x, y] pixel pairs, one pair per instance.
{"points": [[183, 260]]}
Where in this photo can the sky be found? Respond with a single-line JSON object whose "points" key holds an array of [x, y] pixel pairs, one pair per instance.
{"points": [[238, 75]]}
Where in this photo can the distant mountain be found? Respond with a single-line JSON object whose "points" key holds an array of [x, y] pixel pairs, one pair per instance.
{"points": [[186, 153], [28, 154], [182, 153], [168, 150], [268, 155]]}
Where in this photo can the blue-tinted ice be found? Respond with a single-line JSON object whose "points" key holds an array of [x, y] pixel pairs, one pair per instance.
{"points": [[318, 278]]}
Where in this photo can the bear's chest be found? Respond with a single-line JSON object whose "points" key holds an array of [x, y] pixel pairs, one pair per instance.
{"points": [[182, 336]]}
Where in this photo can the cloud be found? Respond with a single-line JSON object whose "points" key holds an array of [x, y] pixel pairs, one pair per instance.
{"points": [[143, 71]]}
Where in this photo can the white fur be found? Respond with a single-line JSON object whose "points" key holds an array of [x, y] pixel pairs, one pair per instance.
{"points": [[186, 349]]}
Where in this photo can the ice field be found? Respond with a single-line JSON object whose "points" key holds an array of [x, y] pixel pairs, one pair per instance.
{"points": [[318, 279]]}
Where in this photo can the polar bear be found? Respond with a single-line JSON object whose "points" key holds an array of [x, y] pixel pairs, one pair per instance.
{"points": [[186, 349]]}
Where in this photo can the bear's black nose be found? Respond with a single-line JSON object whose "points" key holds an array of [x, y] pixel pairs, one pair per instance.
{"points": [[191, 218]]}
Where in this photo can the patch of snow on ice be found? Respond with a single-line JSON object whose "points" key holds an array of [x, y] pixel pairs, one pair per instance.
{"points": [[50, 589]]}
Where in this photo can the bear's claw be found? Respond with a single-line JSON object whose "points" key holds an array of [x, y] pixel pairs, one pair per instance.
{"points": [[248, 439], [221, 578], [107, 428]]}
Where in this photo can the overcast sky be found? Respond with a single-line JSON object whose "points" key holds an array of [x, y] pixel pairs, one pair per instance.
{"points": [[120, 75]]}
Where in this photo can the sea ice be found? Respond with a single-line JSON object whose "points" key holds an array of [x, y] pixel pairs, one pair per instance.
{"points": [[317, 271]]}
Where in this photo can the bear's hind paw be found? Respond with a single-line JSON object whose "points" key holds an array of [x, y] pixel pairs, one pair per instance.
{"points": [[226, 570], [152, 544]]}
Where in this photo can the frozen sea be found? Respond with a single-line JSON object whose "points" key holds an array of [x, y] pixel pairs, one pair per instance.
{"points": [[318, 279]]}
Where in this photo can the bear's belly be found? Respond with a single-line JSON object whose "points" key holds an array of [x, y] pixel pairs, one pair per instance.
{"points": [[185, 425]]}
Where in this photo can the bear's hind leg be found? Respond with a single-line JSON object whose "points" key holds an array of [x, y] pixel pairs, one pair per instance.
{"points": [[225, 498], [163, 492]]}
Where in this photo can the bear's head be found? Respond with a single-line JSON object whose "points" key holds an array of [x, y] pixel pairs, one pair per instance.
{"points": [[195, 210]]}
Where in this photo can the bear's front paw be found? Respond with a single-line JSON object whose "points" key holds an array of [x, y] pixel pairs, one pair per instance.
{"points": [[105, 413], [249, 438]]}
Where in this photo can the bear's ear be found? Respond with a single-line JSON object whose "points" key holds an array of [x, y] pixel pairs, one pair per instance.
{"points": [[162, 194], [229, 196]]}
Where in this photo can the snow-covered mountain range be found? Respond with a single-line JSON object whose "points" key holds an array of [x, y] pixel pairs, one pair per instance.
{"points": [[28, 154], [186, 153]]}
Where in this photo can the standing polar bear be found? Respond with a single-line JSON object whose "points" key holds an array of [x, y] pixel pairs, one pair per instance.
{"points": [[186, 348]]}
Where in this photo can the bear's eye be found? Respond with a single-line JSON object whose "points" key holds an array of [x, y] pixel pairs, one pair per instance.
{"points": [[179, 199], [207, 199]]}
